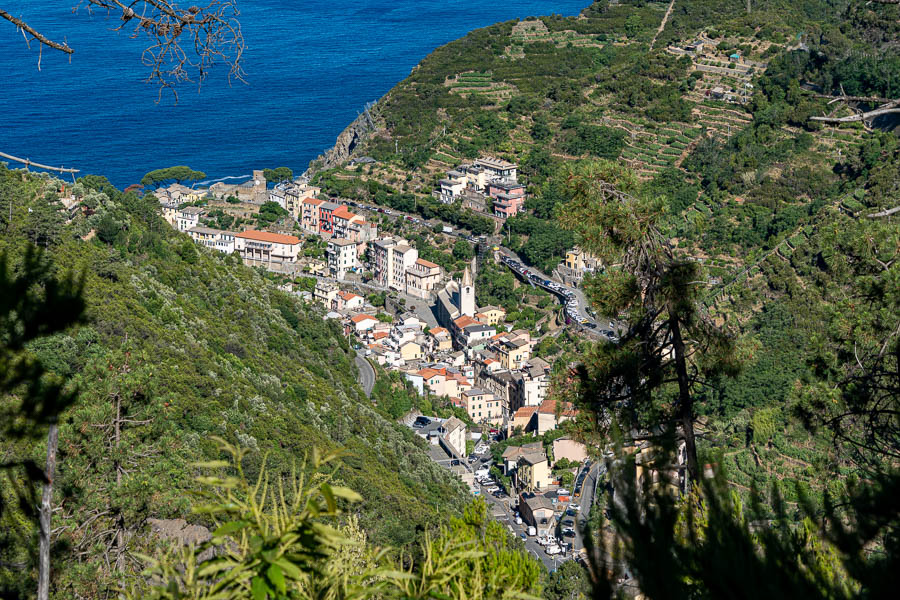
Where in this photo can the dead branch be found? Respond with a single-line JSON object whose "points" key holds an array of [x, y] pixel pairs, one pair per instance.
{"points": [[25, 28], [891, 107], [29, 163], [884, 213], [184, 43]]}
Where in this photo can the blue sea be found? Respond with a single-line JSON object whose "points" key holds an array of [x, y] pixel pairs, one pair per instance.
{"points": [[311, 65]]}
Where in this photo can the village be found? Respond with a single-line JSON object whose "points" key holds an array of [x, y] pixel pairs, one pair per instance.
{"points": [[430, 331]]}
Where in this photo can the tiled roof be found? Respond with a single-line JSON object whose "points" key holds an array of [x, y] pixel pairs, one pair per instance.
{"points": [[361, 318], [268, 236], [425, 263], [313, 201], [464, 321], [525, 412], [344, 212]]}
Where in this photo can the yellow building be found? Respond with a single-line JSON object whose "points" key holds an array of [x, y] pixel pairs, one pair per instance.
{"points": [[533, 472], [411, 351], [513, 353], [491, 315]]}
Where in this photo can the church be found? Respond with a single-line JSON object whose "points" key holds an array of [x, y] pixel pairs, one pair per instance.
{"points": [[457, 312]]}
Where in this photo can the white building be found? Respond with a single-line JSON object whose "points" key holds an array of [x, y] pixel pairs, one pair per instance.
{"points": [[266, 248], [188, 217], [391, 258], [223, 241], [342, 257]]}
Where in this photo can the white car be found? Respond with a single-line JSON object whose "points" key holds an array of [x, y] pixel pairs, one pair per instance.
{"points": [[492, 489], [574, 506]]}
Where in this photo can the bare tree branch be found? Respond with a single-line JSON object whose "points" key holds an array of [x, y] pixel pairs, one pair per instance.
{"points": [[29, 163], [36, 35], [184, 43], [884, 213], [891, 107]]}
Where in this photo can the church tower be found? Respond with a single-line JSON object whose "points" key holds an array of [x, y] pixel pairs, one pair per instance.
{"points": [[467, 294]]}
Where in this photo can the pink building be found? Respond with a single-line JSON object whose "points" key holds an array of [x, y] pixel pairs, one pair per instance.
{"points": [[509, 198]]}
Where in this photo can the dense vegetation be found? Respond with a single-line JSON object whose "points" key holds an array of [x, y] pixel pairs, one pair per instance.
{"points": [[192, 345]]}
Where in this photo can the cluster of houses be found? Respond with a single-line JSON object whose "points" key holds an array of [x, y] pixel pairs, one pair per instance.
{"points": [[395, 263], [471, 358], [488, 185]]}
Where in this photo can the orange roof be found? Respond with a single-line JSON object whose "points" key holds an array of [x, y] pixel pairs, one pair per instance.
{"points": [[426, 263], [361, 318], [380, 335], [343, 212], [437, 330], [268, 236], [525, 411], [313, 201], [429, 373], [348, 295], [457, 402], [465, 321], [548, 407]]}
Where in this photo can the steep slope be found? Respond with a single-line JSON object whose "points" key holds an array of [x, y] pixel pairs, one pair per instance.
{"points": [[190, 344]]}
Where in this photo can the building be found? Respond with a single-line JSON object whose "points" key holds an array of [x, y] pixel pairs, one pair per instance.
{"points": [[566, 447], [223, 241], [342, 257], [496, 168], [491, 315], [538, 512], [508, 198], [391, 258], [483, 407], [325, 292], [521, 420], [452, 186], [457, 299], [360, 323], [309, 214], [512, 353], [441, 340], [422, 278], [549, 415], [579, 261], [346, 301], [533, 472], [455, 435], [326, 218], [266, 248], [470, 333], [512, 454], [188, 217], [410, 351], [532, 383]]}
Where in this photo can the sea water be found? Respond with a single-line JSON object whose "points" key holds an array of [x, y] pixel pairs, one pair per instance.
{"points": [[311, 66]]}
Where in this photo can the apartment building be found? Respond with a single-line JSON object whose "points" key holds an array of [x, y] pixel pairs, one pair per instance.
{"points": [[223, 241], [342, 257], [266, 248], [422, 278], [391, 258], [188, 217]]}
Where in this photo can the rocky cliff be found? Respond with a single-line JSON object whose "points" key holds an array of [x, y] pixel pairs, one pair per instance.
{"points": [[361, 127]]}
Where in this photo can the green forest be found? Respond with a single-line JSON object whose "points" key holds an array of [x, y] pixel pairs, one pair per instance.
{"points": [[192, 345]]}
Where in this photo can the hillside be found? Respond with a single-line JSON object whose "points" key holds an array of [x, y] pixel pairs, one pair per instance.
{"points": [[193, 345], [773, 204]]}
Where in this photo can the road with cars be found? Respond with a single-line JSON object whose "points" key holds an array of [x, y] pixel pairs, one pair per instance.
{"points": [[573, 517], [572, 299]]}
